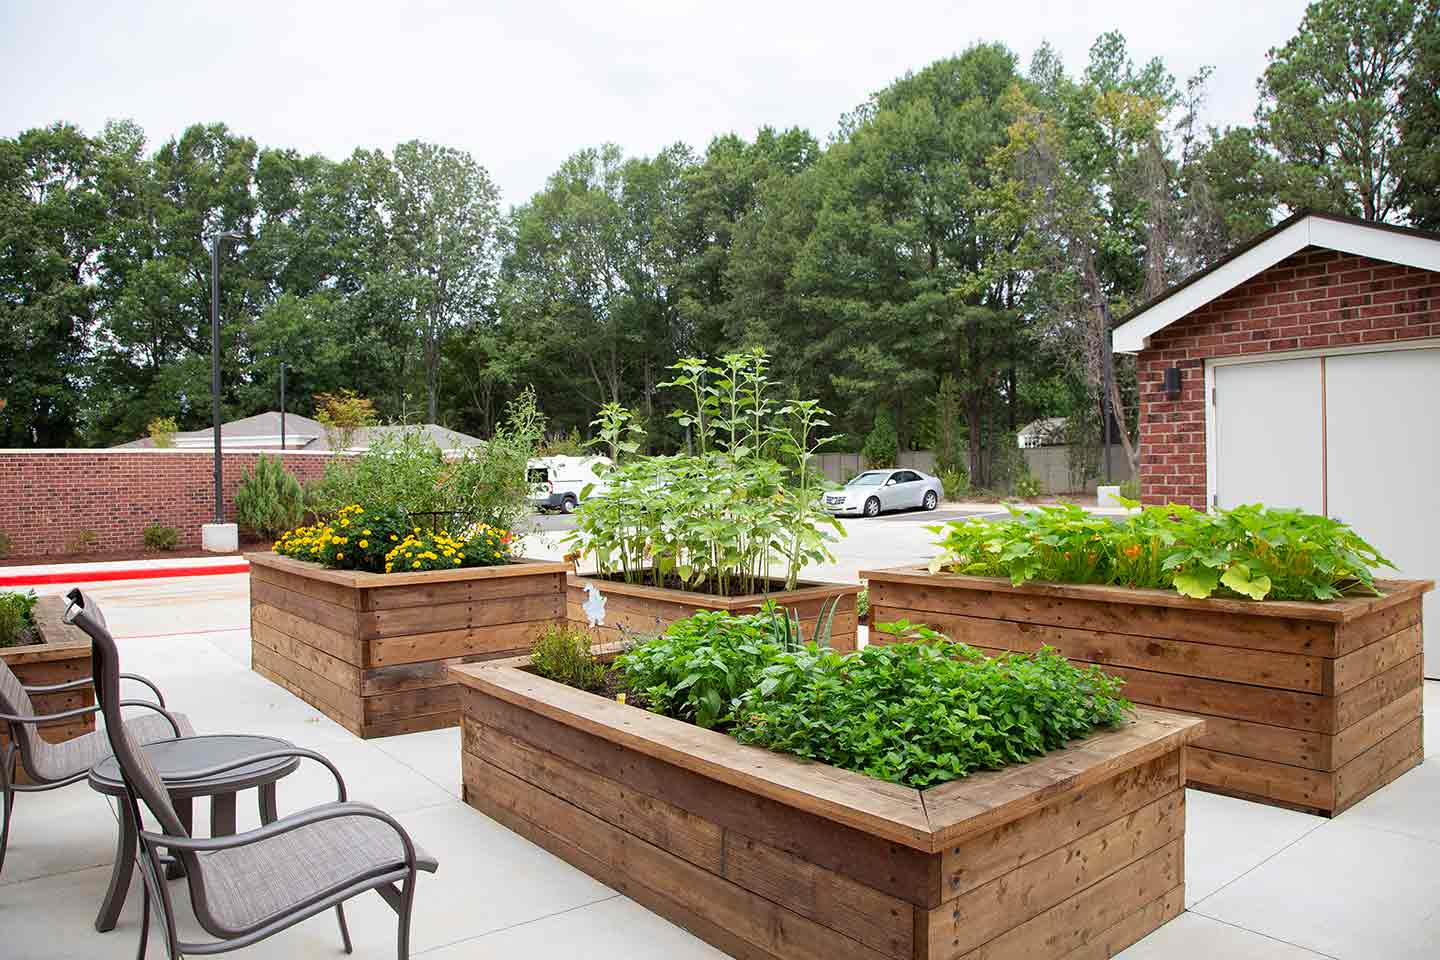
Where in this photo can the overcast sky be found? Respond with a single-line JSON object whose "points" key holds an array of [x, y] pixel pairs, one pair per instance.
{"points": [[523, 85]]}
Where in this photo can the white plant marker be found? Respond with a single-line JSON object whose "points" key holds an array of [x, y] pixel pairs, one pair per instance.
{"points": [[594, 606]]}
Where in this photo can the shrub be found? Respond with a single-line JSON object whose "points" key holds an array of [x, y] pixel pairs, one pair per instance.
{"points": [[402, 469], [16, 616], [920, 714], [82, 541], [563, 654], [862, 604], [342, 415], [882, 445], [1130, 489], [269, 498], [1250, 551], [1028, 485], [162, 431], [159, 537], [491, 484], [6, 545], [956, 484]]}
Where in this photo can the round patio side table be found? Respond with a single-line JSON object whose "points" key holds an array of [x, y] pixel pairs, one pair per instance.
{"points": [[173, 758]]}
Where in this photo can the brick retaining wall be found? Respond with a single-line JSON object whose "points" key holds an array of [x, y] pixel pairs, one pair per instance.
{"points": [[48, 496]]}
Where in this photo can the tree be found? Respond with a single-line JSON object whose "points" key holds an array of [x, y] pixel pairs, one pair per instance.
{"points": [[1419, 155], [1331, 103], [343, 415], [445, 212]]}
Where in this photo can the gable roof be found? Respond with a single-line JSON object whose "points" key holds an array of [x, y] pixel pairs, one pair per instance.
{"points": [[1380, 241], [262, 432]]}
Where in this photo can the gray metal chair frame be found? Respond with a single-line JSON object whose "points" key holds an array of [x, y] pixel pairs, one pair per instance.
{"points": [[393, 881], [31, 750]]}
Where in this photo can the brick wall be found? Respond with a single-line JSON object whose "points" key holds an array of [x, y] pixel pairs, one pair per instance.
{"points": [[1316, 298], [47, 497]]}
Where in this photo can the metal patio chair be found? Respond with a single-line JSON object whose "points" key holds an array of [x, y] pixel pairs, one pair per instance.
{"points": [[247, 887], [51, 766]]}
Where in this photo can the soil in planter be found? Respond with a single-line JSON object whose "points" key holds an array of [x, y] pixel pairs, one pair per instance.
{"points": [[673, 582]]}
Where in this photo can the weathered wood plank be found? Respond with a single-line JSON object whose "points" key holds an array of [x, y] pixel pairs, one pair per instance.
{"points": [[1353, 635], [1368, 772], [979, 860], [1133, 928], [321, 693], [652, 819], [988, 911], [898, 870], [1361, 736], [1075, 922], [406, 621], [773, 929], [447, 644], [343, 620], [337, 644], [1227, 773], [463, 591], [1235, 664], [337, 671], [1362, 700], [1370, 661], [340, 596], [418, 702]]}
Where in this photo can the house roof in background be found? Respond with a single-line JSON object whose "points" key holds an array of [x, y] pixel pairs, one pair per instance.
{"points": [[1379, 241], [262, 432]]}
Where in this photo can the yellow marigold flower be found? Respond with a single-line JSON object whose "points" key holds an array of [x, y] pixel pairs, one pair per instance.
{"points": [[457, 561], [364, 544], [393, 537], [366, 532], [415, 564], [339, 556]]}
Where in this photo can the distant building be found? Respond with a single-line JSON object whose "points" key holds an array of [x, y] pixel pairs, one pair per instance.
{"points": [[1048, 432], [262, 432]]}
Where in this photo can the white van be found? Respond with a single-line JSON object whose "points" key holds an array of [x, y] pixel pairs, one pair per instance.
{"points": [[557, 483]]}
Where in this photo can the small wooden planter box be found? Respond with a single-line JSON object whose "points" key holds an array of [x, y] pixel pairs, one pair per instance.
{"points": [[62, 656], [370, 650], [649, 610], [1077, 855], [1312, 706]]}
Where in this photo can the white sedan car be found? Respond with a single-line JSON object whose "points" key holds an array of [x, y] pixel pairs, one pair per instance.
{"points": [[875, 490]]}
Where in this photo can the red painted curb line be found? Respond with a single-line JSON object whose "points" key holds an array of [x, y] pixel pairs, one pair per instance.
{"points": [[139, 573]]}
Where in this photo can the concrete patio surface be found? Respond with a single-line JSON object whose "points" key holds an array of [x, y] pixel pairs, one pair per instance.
{"points": [[1261, 883]]}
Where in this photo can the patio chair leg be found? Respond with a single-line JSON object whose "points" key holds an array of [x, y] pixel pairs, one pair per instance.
{"points": [[407, 902], [7, 801], [144, 920], [344, 930]]}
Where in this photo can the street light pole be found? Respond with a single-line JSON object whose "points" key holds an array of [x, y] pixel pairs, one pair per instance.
{"points": [[282, 406], [215, 362]]}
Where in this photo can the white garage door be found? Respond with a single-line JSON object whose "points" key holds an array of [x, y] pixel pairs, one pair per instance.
{"points": [[1353, 435]]}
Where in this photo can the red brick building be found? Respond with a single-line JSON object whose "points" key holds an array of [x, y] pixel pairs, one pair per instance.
{"points": [[1303, 370]]}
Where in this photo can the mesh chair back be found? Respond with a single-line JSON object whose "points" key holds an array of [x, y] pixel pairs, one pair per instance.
{"points": [[140, 776], [16, 702]]}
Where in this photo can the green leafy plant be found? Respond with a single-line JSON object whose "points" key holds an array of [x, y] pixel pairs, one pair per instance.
{"points": [[956, 484], [160, 537], [481, 546], [616, 431], [698, 668], [563, 654], [862, 604], [1251, 552], [924, 713], [342, 415], [882, 445], [562, 445], [1028, 485], [6, 545], [161, 431], [354, 538], [16, 616], [269, 499], [1130, 489], [717, 520]]}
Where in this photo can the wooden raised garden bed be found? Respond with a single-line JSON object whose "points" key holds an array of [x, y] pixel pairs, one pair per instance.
{"points": [[370, 650], [649, 610], [62, 656], [1075, 855], [1308, 705]]}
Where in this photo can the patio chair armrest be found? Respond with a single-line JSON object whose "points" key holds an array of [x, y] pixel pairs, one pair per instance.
{"points": [[40, 719], [146, 681], [201, 773], [305, 818], [169, 717], [57, 687]]}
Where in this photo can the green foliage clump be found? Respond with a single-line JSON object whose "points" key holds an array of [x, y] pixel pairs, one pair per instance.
{"points": [[269, 499], [563, 654], [162, 431], [1028, 485], [157, 536], [16, 616], [562, 445], [698, 668], [956, 484], [83, 540], [354, 538], [1130, 489], [862, 604], [6, 544], [1250, 551], [716, 520], [924, 713], [882, 445]]}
